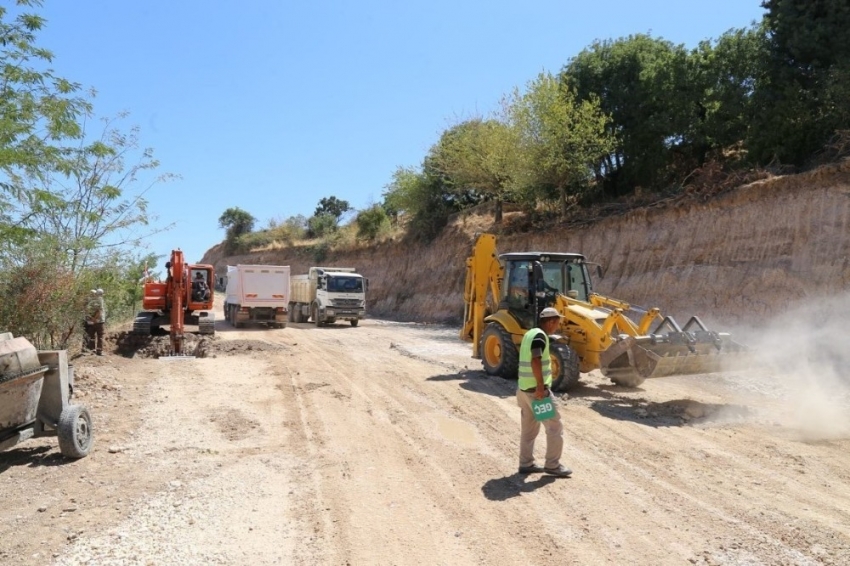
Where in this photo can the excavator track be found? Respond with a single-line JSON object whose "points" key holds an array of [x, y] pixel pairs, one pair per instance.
{"points": [[206, 324], [142, 324]]}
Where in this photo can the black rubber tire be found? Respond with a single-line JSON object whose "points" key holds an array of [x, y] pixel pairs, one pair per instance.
{"points": [[75, 432], [499, 355], [298, 316], [315, 314], [290, 313], [354, 322], [564, 363], [330, 320]]}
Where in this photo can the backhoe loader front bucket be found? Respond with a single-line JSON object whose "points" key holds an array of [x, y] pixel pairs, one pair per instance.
{"points": [[670, 350]]}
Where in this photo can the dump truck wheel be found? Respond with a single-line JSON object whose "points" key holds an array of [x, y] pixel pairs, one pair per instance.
{"points": [[75, 432], [315, 313], [498, 352], [564, 364], [290, 314], [354, 322]]}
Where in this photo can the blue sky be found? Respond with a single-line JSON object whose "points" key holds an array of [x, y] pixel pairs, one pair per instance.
{"points": [[271, 105]]}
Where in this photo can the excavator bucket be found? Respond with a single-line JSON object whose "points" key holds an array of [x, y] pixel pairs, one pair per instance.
{"points": [[670, 350]]}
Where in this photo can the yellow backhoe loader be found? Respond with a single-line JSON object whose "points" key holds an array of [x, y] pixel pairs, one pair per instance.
{"points": [[504, 294]]}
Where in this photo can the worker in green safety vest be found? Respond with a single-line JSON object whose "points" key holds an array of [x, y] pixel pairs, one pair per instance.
{"points": [[535, 378]]}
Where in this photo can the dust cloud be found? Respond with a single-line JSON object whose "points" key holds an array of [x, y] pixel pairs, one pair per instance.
{"points": [[802, 359]]}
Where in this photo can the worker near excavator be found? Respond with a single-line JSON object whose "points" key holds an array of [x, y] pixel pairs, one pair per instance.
{"points": [[535, 378], [95, 321]]}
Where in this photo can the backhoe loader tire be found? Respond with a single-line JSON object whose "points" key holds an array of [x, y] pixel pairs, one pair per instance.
{"points": [[564, 363], [499, 355]]}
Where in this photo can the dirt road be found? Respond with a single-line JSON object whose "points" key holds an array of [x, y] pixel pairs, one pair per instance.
{"points": [[386, 444]]}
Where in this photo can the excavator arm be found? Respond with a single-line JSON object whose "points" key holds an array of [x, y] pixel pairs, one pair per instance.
{"points": [[178, 296]]}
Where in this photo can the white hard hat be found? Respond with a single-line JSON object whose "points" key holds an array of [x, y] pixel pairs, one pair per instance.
{"points": [[94, 291], [100, 291], [549, 312]]}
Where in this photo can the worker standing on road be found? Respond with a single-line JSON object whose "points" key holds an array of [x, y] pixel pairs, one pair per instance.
{"points": [[535, 378], [95, 320]]}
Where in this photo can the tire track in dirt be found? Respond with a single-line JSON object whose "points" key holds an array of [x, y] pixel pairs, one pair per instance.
{"points": [[445, 466]]}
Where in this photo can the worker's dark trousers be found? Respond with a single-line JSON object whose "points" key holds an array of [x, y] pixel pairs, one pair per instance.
{"points": [[94, 337]]}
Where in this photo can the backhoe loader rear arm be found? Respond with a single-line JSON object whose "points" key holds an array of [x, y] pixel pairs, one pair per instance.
{"points": [[483, 270]]}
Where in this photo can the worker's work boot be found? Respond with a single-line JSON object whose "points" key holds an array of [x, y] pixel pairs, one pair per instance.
{"points": [[559, 472]]}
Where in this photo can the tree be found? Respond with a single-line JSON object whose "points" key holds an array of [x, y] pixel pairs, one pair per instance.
{"points": [[66, 215], [802, 96], [88, 207], [236, 222], [333, 206], [726, 72], [478, 155], [424, 199], [321, 225], [644, 85], [371, 222], [561, 137], [39, 113]]}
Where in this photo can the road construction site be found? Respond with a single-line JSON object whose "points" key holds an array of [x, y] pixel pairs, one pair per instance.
{"points": [[388, 444]]}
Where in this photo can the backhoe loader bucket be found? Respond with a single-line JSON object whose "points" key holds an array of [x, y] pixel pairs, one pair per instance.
{"points": [[669, 350]]}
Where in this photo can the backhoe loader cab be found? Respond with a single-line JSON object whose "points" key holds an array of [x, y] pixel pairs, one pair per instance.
{"points": [[504, 295]]}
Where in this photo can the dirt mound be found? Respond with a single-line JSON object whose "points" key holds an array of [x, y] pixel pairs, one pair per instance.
{"points": [[130, 345]]}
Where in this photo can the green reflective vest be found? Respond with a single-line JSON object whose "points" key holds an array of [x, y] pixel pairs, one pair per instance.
{"points": [[526, 376]]}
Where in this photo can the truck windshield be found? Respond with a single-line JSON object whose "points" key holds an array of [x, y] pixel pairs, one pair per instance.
{"points": [[345, 284]]}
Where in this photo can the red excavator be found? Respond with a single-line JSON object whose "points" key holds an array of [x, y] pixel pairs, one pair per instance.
{"points": [[184, 298]]}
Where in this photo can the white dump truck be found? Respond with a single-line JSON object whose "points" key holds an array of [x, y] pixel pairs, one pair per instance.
{"points": [[327, 294], [257, 293]]}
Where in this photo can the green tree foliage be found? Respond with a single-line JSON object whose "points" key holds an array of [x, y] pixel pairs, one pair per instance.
{"points": [[372, 222], [423, 200], [39, 112], [480, 156], [802, 96], [561, 139], [333, 206], [726, 73], [643, 84], [67, 215], [322, 225], [93, 206], [236, 222]]}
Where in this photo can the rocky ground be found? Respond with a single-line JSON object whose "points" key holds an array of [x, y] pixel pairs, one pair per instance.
{"points": [[386, 444]]}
